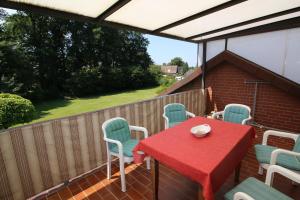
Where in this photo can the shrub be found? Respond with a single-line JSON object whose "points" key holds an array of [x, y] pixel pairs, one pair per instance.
{"points": [[14, 109], [166, 82], [155, 71]]}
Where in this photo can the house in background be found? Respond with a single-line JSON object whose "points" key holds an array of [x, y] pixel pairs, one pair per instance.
{"points": [[169, 69], [173, 70]]}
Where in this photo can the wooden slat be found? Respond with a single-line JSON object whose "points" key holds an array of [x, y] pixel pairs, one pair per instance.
{"points": [[90, 140], [60, 150], [22, 161], [41, 149], [75, 144], [5, 191]]}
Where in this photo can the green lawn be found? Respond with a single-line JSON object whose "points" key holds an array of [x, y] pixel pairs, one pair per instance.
{"points": [[64, 107]]}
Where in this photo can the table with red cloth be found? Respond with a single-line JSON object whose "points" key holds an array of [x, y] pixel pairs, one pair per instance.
{"points": [[208, 160]]}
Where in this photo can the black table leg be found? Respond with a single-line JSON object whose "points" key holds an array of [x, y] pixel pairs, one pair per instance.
{"points": [[200, 193], [155, 179], [237, 173]]}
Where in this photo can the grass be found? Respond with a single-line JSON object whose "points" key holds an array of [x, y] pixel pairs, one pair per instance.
{"points": [[66, 107]]}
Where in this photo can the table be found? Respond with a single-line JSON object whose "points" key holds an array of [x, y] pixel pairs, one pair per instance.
{"points": [[209, 160]]}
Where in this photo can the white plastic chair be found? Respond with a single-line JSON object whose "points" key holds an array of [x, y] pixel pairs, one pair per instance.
{"points": [[268, 155], [237, 113], [252, 188], [119, 144], [175, 113]]}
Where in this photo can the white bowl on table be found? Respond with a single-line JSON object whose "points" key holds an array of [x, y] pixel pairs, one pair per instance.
{"points": [[201, 130]]}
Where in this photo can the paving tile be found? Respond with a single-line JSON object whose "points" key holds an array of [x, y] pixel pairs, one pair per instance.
{"points": [[54, 196], [134, 194], [172, 185], [74, 188], [65, 193]]}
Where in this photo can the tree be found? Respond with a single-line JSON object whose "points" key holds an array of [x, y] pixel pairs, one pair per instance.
{"points": [[42, 57], [180, 63]]}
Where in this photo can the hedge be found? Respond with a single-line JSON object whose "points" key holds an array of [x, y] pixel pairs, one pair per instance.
{"points": [[14, 109]]}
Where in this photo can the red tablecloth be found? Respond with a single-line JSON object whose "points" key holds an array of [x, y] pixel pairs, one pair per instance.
{"points": [[208, 160]]}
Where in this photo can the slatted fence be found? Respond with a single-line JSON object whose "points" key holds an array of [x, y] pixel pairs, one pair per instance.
{"points": [[38, 156]]}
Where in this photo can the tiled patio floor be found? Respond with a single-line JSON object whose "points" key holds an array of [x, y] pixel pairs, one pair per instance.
{"points": [[172, 186]]}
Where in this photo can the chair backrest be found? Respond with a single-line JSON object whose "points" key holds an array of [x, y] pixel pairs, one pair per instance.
{"points": [[297, 146], [116, 129], [236, 113], [175, 112]]}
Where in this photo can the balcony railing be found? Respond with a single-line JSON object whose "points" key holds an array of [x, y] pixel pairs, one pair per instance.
{"points": [[36, 157]]}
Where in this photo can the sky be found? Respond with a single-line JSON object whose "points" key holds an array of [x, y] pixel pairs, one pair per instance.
{"points": [[162, 50]]}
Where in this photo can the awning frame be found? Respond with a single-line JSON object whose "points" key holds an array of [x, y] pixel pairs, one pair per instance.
{"points": [[284, 24]]}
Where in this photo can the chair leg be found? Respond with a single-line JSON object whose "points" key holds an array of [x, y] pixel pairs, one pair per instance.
{"points": [[122, 172], [260, 170], [148, 163], [108, 166]]}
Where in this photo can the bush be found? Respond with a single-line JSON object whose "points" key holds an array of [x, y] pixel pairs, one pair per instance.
{"points": [[14, 109], [155, 71], [165, 82]]}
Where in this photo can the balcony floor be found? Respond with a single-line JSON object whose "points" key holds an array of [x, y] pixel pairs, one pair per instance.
{"points": [[172, 186]]}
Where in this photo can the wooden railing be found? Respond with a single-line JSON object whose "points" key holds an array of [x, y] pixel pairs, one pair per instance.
{"points": [[39, 156]]}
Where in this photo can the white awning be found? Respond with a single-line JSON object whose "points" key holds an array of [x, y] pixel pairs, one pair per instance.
{"points": [[90, 8], [190, 20]]}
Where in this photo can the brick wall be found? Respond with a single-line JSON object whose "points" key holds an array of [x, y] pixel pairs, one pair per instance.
{"points": [[274, 108]]}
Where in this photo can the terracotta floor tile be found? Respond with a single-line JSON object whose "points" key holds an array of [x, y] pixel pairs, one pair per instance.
{"points": [[140, 187], [116, 190], [148, 194], [126, 198], [54, 196], [94, 196], [134, 194], [172, 186], [65, 194], [109, 196], [74, 188]]}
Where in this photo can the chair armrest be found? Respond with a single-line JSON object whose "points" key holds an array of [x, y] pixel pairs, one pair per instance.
{"points": [[283, 171], [166, 121], [278, 134], [118, 143], [217, 114], [245, 121], [276, 152], [190, 114], [242, 196], [140, 129]]}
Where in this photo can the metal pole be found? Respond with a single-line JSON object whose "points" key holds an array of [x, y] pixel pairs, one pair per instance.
{"points": [[203, 64], [254, 99], [255, 82], [198, 46]]}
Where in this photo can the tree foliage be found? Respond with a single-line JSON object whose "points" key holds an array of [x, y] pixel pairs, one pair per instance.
{"points": [[42, 57], [180, 63]]}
